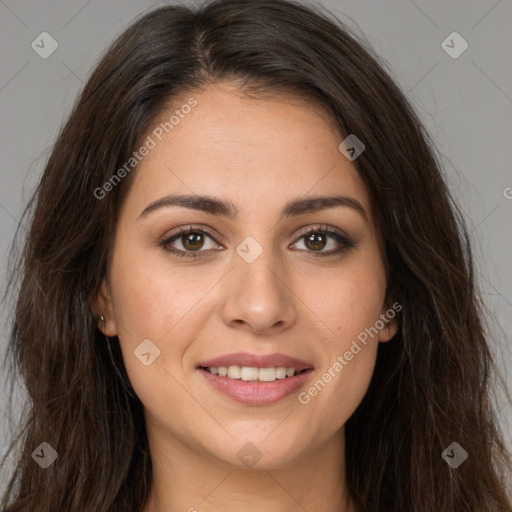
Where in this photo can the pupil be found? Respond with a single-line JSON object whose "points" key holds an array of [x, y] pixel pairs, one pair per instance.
{"points": [[315, 245], [189, 241]]}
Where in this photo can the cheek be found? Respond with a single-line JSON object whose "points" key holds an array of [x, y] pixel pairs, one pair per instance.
{"points": [[152, 303], [336, 392], [152, 298], [344, 301], [348, 361], [347, 307]]}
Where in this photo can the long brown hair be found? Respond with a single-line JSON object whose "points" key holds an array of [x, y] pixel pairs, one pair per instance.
{"points": [[432, 385]]}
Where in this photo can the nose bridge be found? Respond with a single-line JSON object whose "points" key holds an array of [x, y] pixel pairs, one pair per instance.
{"points": [[257, 263], [258, 294]]}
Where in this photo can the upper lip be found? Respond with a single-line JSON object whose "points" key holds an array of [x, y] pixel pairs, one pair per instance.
{"points": [[258, 361]]}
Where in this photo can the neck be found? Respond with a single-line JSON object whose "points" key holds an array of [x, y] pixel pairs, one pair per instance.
{"points": [[189, 479]]}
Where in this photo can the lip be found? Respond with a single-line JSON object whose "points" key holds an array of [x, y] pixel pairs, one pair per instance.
{"points": [[258, 361], [256, 393]]}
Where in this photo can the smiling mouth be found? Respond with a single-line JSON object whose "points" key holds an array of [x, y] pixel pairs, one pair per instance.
{"points": [[254, 374]]}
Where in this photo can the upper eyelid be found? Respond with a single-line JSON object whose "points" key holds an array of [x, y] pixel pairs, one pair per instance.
{"points": [[183, 230]]}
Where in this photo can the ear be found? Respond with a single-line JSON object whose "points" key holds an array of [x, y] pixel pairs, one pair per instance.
{"points": [[388, 317], [102, 307]]}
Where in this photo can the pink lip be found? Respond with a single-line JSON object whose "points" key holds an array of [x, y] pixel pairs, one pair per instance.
{"points": [[258, 361], [256, 393]]}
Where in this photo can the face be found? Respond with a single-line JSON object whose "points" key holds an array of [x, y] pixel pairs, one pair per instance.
{"points": [[197, 281]]}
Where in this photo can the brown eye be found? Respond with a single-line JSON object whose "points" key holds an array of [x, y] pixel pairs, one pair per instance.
{"points": [[315, 241], [189, 243], [192, 241]]}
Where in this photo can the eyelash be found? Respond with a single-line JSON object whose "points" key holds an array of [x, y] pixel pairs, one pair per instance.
{"points": [[343, 240]]}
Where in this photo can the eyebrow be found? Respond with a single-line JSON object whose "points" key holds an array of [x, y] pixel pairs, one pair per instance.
{"points": [[225, 208]]}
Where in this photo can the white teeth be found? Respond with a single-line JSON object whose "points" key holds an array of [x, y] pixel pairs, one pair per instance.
{"points": [[234, 372], [270, 374], [251, 373], [248, 373], [282, 372]]}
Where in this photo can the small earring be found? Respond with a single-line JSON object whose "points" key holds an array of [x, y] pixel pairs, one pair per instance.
{"points": [[102, 318]]}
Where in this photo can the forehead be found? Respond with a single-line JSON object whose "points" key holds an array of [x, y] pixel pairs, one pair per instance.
{"points": [[253, 151]]}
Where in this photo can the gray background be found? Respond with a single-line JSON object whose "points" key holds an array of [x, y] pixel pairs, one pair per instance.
{"points": [[466, 104]]}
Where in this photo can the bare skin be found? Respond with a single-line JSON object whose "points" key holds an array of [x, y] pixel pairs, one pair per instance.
{"points": [[258, 154]]}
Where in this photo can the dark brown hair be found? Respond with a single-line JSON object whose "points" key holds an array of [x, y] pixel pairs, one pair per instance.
{"points": [[432, 383]]}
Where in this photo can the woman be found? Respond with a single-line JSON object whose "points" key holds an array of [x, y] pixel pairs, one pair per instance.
{"points": [[246, 285]]}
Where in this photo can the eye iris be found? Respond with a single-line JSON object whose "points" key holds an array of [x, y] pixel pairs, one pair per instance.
{"points": [[188, 241], [313, 239]]}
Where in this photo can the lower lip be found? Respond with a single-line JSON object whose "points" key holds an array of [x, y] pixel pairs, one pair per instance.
{"points": [[255, 392]]}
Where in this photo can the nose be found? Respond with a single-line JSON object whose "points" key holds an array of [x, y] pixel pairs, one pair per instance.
{"points": [[258, 296]]}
